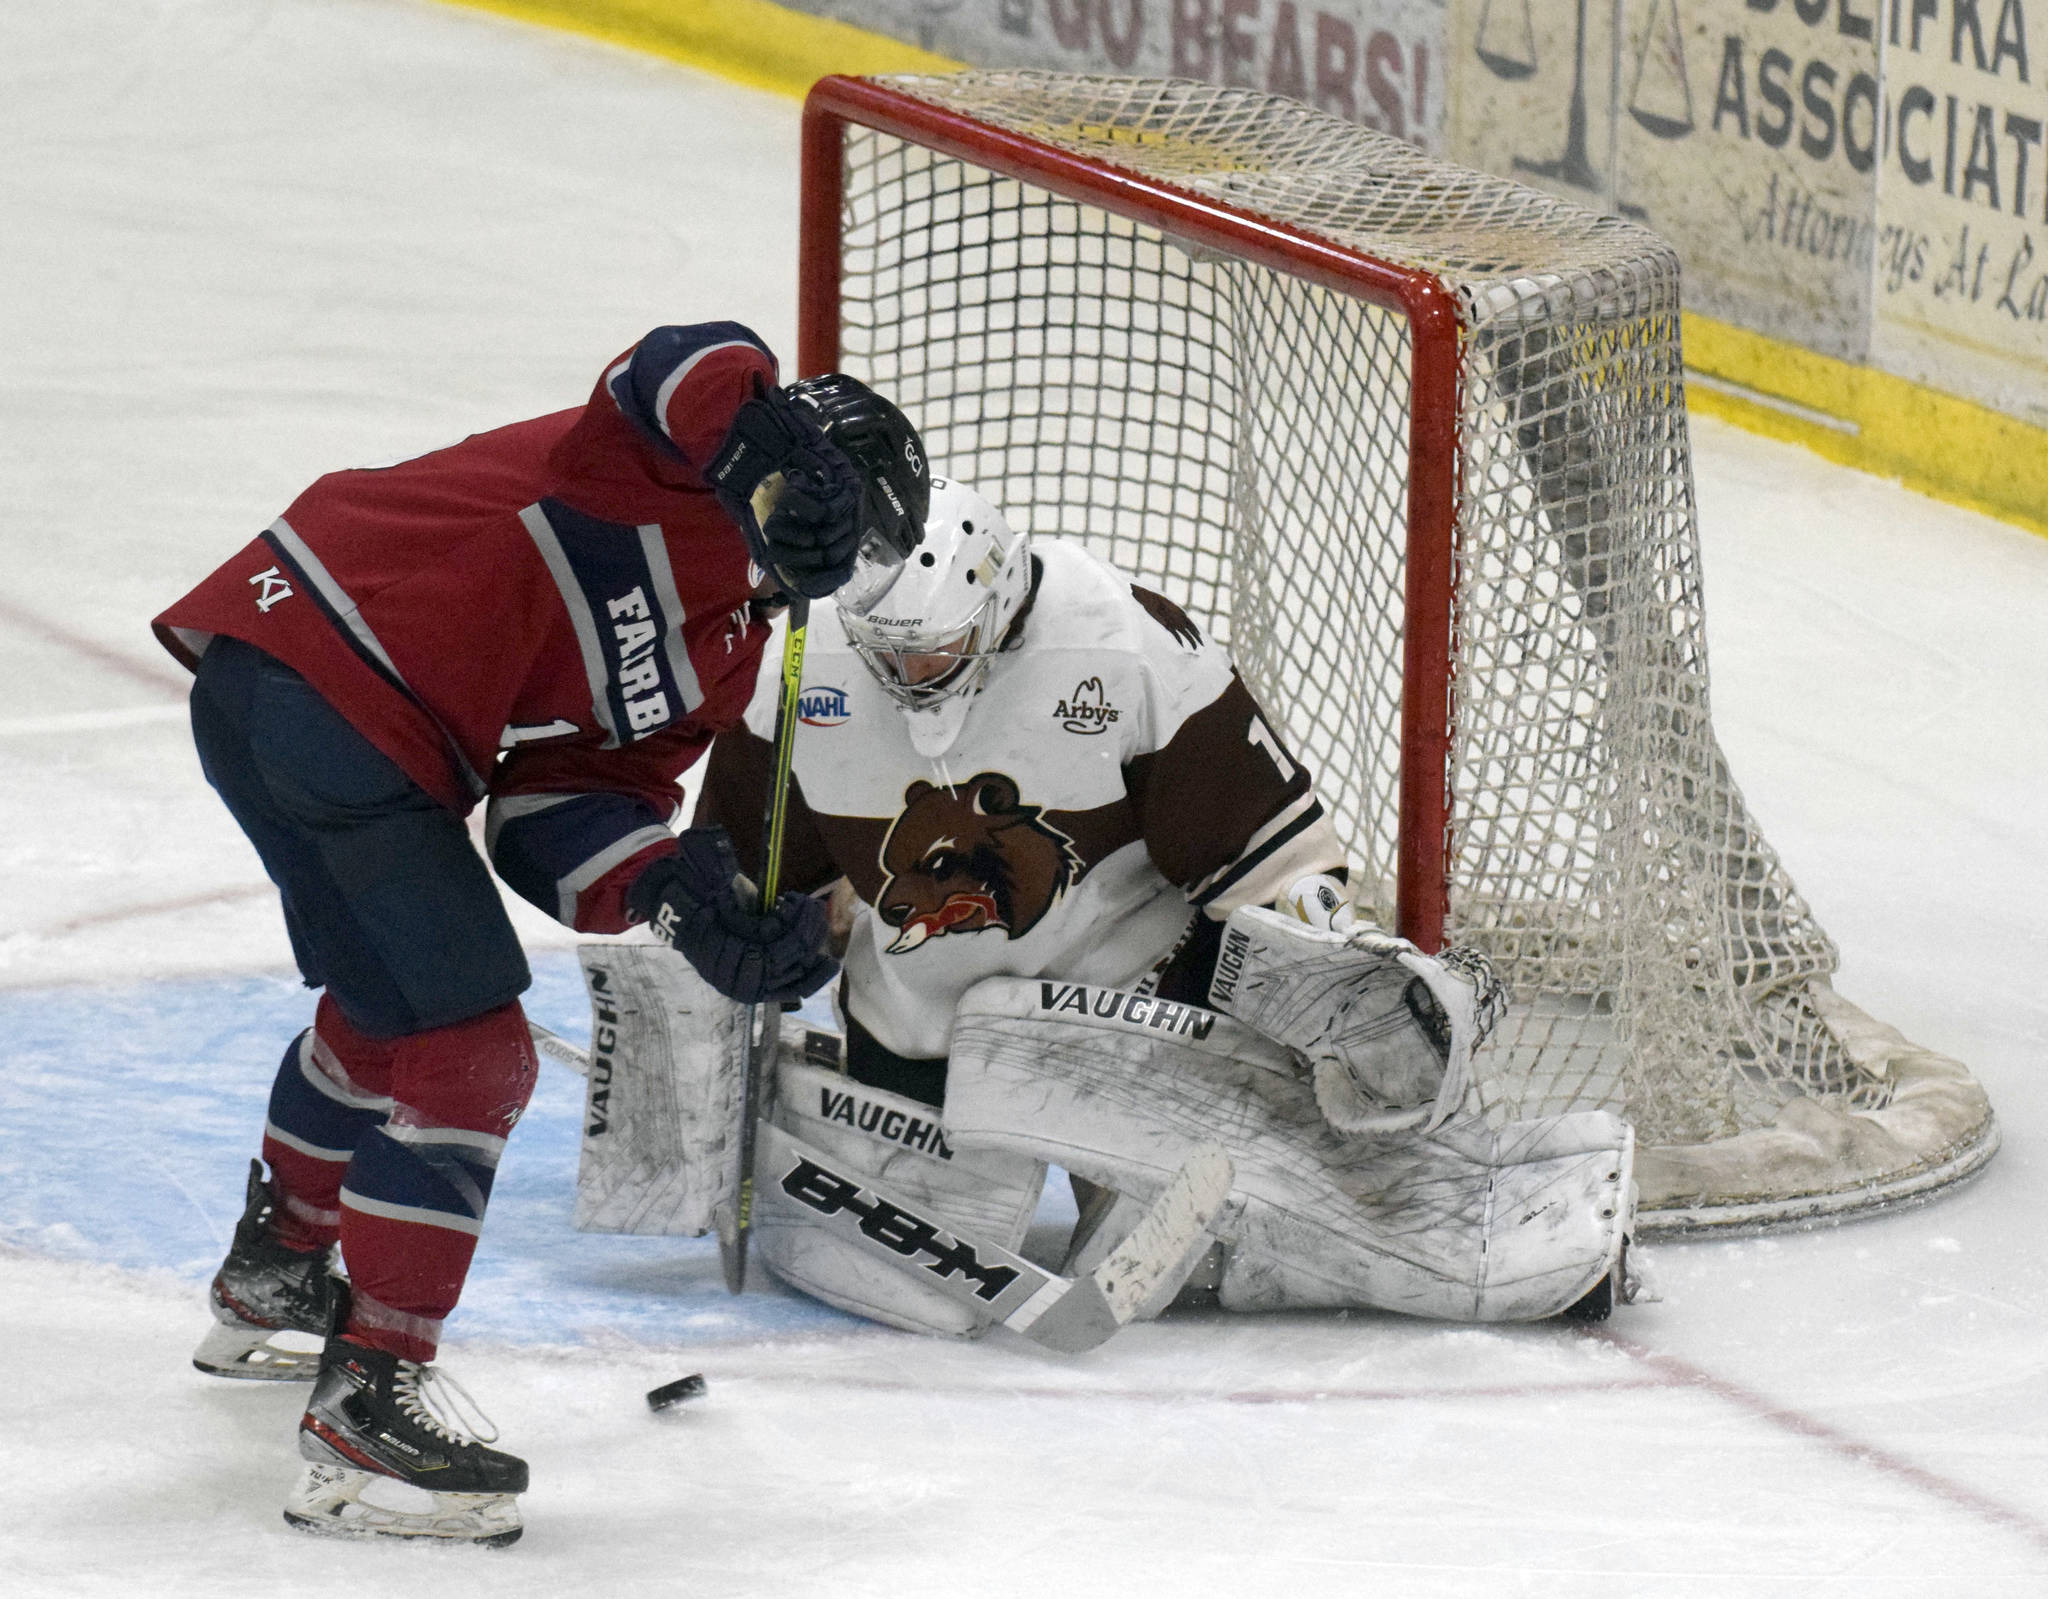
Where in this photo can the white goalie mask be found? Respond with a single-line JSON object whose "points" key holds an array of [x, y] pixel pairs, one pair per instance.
{"points": [[926, 630]]}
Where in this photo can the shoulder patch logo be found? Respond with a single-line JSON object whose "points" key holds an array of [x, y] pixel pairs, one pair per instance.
{"points": [[1169, 616], [274, 588], [1088, 710], [971, 858], [823, 706]]}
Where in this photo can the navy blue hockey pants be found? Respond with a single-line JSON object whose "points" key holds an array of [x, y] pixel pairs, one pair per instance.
{"points": [[388, 905]]}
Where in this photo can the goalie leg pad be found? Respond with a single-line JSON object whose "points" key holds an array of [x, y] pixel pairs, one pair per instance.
{"points": [[1468, 1223], [899, 1143], [662, 1097]]}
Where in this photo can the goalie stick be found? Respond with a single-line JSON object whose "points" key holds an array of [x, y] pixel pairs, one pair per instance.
{"points": [[736, 1223], [1065, 1314], [558, 1049]]}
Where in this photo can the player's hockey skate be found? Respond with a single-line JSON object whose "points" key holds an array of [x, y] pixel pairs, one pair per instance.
{"points": [[270, 1303], [392, 1453], [1387, 1031]]}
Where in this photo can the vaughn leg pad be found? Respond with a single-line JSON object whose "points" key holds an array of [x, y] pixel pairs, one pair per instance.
{"points": [[662, 1094], [1467, 1223], [875, 1140]]}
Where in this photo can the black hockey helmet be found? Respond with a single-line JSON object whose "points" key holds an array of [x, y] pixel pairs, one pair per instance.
{"points": [[887, 453]]}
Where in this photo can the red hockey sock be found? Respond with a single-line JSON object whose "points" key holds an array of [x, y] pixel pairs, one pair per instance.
{"points": [[412, 1203]]}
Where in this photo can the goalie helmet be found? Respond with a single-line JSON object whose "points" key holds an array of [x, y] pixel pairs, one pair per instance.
{"points": [[927, 629], [887, 454]]}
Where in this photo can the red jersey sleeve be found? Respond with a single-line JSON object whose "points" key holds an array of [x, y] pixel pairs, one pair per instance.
{"points": [[572, 825], [682, 386]]}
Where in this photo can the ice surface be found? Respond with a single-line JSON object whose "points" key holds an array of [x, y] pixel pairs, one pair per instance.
{"points": [[249, 240]]}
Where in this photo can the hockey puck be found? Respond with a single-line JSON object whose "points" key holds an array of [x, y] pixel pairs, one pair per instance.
{"points": [[671, 1394]]}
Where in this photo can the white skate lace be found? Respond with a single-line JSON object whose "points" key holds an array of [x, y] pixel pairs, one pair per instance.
{"points": [[440, 1404]]}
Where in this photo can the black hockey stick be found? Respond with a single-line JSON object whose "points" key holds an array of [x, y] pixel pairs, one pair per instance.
{"points": [[736, 1224]]}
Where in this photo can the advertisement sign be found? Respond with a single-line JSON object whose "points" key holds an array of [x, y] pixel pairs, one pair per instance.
{"points": [[1962, 264], [1747, 132], [1376, 62], [1864, 178]]}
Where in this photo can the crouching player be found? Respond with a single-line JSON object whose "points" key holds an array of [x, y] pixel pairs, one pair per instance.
{"points": [[1101, 921], [553, 618]]}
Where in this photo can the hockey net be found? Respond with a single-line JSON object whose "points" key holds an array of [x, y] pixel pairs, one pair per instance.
{"points": [[1412, 441]]}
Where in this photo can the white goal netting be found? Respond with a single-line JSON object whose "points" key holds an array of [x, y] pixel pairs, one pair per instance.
{"points": [[1239, 438]]}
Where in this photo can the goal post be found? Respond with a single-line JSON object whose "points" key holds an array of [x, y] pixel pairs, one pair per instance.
{"points": [[1411, 440]]}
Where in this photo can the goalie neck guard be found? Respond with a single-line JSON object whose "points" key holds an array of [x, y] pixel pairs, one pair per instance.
{"points": [[927, 630]]}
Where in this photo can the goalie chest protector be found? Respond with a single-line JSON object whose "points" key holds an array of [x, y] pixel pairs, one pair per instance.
{"points": [[1020, 851]]}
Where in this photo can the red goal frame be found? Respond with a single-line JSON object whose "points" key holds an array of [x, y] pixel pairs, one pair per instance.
{"points": [[1435, 343]]}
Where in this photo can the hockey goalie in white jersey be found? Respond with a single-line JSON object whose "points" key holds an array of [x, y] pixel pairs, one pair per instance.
{"points": [[1101, 922]]}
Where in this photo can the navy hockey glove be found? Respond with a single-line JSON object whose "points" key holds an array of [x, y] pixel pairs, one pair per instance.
{"points": [[697, 901], [806, 527]]}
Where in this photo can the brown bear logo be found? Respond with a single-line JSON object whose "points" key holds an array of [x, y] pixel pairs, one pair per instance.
{"points": [[961, 860]]}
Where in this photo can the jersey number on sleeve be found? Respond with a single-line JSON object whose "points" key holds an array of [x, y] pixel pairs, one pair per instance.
{"points": [[1262, 735]]}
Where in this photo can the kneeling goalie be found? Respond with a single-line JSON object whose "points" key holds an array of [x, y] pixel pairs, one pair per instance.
{"points": [[1101, 923]]}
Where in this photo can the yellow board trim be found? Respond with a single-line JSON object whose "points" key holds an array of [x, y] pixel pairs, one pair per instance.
{"points": [[753, 42], [1939, 445], [1935, 443]]}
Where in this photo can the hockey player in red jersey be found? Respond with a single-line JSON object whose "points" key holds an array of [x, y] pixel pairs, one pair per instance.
{"points": [[553, 618]]}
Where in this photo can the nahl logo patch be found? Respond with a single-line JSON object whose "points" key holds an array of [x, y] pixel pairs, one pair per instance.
{"points": [[898, 1230], [1088, 711], [1140, 1012], [823, 706]]}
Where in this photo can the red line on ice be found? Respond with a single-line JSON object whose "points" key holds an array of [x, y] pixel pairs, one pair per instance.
{"points": [[123, 913], [1684, 1374], [1663, 1372], [165, 677]]}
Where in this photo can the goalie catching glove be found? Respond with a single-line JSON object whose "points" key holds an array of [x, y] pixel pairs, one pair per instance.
{"points": [[1388, 1032], [696, 901]]}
